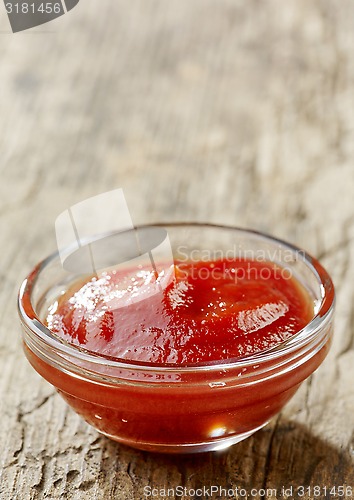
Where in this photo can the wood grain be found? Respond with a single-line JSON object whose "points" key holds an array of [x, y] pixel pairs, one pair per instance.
{"points": [[230, 112]]}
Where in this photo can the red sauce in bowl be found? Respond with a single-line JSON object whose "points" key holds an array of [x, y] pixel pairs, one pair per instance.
{"points": [[211, 311]]}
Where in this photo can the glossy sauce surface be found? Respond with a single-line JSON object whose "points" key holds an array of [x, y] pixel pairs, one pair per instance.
{"points": [[194, 312]]}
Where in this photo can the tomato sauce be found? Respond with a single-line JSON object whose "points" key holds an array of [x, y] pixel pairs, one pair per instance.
{"points": [[211, 311], [203, 312]]}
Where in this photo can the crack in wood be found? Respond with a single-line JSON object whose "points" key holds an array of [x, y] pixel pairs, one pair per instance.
{"points": [[21, 414], [268, 457]]}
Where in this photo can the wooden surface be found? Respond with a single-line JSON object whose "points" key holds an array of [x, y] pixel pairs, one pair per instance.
{"points": [[224, 111]]}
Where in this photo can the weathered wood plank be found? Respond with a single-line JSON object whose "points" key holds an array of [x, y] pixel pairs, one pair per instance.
{"points": [[238, 113]]}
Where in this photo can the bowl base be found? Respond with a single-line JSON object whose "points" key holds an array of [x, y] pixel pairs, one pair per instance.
{"points": [[186, 448]]}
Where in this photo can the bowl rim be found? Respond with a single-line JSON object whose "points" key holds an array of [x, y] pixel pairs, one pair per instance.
{"points": [[31, 321]]}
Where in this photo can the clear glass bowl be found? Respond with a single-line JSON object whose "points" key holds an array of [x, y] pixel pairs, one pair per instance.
{"points": [[190, 408]]}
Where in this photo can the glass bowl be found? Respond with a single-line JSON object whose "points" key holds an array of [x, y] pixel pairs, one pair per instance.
{"points": [[188, 408]]}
